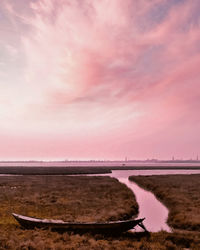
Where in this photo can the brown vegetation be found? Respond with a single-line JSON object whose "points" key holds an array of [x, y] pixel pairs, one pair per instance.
{"points": [[53, 170], [180, 193], [69, 198], [14, 237], [46, 240], [78, 198]]}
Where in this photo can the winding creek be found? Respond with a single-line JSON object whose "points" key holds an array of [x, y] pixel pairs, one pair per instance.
{"points": [[150, 207]]}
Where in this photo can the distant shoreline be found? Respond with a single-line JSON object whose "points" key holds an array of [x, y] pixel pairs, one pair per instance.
{"points": [[86, 162], [75, 170]]}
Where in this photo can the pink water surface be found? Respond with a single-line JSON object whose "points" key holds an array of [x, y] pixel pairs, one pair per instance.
{"points": [[150, 207]]}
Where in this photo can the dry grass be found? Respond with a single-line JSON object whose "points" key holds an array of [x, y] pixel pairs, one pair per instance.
{"points": [[180, 193], [80, 199], [53, 170], [16, 238]]}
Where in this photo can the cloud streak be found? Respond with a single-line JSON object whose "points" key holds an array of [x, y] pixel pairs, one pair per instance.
{"points": [[117, 71]]}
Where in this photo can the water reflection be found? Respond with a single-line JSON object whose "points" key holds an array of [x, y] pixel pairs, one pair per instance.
{"points": [[153, 210]]}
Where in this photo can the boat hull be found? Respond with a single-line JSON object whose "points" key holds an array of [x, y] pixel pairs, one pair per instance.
{"points": [[104, 227]]}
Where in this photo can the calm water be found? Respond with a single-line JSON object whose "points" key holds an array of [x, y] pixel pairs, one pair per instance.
{"points": [[126, 173], [97, 164], [150, 207]]}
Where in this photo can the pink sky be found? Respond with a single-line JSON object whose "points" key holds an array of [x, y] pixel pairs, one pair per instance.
{"points": [[99, 79]]}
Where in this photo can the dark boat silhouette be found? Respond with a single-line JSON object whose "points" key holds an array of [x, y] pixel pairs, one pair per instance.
{"points": [[104, 227]]}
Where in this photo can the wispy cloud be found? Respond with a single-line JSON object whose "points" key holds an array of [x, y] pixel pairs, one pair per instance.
{"points": [[115, 69]]}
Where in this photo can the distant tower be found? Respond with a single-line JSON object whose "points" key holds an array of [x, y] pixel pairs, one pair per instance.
{"points": [[172, 158], [197, 157]]}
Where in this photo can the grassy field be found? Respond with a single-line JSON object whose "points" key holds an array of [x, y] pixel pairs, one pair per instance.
{"points": [[76, 198], [70, 198], [47, 240]]}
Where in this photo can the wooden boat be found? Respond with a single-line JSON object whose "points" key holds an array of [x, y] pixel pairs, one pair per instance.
{"points": [[104, 227]]}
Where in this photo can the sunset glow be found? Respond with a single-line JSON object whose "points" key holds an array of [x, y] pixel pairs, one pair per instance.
{"points": [[99, 79]]}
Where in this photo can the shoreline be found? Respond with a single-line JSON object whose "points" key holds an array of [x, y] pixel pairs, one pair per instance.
{"points": [[57, 170]]}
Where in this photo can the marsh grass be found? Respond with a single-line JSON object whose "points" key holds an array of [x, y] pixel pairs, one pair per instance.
{"points": [[78, 198], [16, 238], [180, 193], [69, 198], [53, 170]]}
